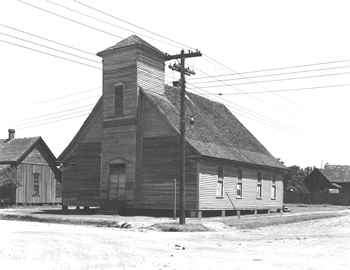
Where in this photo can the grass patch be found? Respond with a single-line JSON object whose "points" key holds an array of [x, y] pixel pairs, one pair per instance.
{"points": [[175, 227], [97, 223], [271, 221]]}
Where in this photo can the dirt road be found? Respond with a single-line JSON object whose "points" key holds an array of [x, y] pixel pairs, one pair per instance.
{"points": [[317, 244]]}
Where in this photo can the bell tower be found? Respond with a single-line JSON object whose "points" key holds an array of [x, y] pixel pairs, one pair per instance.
{"points": [[129, 65]]}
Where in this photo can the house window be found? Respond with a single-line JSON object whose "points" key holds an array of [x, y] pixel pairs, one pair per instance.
{"points": [[118, 99], [259, 187], [220, 183], [273, 190], [239, 184], [36, 184]]}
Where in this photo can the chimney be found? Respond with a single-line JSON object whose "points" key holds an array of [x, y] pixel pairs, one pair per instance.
{"points": [[11, 134]]}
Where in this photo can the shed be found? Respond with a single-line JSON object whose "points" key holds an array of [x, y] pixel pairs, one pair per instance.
{"points": [[28, 172]]}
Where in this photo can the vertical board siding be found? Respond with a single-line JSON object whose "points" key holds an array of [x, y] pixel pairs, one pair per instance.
{"points": [[25, 186], [160, 168], [81, 176], [207, 188]]}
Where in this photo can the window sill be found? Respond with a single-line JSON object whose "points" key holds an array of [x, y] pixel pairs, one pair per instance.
{"points": [[219, 197], [259, 198]]}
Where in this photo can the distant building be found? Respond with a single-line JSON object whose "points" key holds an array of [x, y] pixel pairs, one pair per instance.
{"points": [[126, 153], [330, 184], [295, 188], [28, 172]]}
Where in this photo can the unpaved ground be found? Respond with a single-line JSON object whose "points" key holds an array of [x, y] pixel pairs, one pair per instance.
{"points": [[96, 218], [318, 244]]}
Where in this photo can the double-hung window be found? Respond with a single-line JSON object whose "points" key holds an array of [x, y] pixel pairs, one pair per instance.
{"points": [[119, 99], [273, 189], [239, 185], [220, 183], [36, 184], [259, 187]]}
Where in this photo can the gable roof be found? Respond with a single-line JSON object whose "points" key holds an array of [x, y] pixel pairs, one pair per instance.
{"points": [[13, 150], [96, 109], [336, 173], [132, 40], [216, 132]]}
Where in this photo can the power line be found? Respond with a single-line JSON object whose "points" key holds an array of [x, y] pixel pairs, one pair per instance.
{"points": [[48, 47], [277, 74], [242, 113], [274, 69], [54, 114], [103, 21], [283, 90], [47, 39], [95, 28], [283, 79], [69, 19], [50, 54], [54, 121], [69, 95], [132, 24], [241, 109]]}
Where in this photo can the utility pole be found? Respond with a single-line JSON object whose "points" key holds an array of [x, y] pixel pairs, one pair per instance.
{"points": [[183, 71]]}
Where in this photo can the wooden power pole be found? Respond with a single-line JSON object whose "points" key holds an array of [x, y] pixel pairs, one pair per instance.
{"points": [[183, 71]]}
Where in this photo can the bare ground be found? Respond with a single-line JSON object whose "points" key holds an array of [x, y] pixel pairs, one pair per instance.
{"points": [[314, 244], [55, 215]]}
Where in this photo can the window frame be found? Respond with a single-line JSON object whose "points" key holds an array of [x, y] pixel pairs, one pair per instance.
{"points": [[119, 99], [240, 184], [220, 183], [259, 187], [36, 184], [273, 189]]}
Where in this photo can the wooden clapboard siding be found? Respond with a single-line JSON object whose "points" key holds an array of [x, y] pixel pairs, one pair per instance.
{"points": [[120, 69], [81, 176], [119, 130], [81, 164], [119, 143], [150, 73], [159, 169], [47, 184], [208, 180]]}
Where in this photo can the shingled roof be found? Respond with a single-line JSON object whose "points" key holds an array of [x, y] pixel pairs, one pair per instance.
{"points": [[336, 173], [216, 132], [13, 150], [132, 40]]}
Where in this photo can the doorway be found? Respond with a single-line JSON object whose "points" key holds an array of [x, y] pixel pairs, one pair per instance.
{"points": [[117, 182]]}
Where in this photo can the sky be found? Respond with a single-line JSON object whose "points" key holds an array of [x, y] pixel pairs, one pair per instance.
{"points": [[42, 95]]}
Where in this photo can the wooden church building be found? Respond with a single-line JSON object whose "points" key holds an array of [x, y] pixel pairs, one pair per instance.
{"points": [[28, 172], [125, 155]]}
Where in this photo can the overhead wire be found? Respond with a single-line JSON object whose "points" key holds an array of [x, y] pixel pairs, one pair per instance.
{"points": [[50, 54], [94, 28], [274, 69], [284, 90], [69, 19], [47, 39], [283, 79], [49, 47]]}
